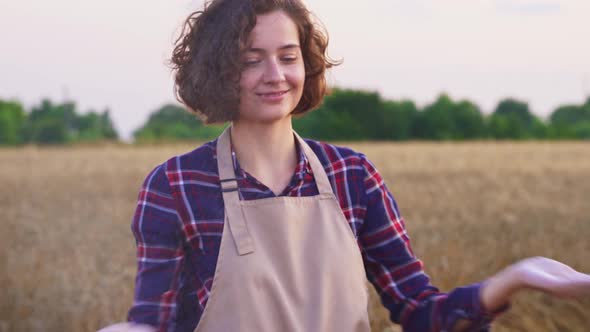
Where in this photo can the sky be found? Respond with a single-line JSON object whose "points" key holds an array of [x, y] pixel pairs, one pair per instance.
{"points": [[112, 54]]}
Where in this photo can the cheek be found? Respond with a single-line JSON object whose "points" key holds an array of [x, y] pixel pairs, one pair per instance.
{"points": [[298, 77], [248, 80]]}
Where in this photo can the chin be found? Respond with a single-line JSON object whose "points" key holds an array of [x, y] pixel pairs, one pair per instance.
{"points": [[272, 119], [268, 115]]}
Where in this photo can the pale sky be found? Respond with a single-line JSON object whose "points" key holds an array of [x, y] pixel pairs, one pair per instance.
{"points": [[113, 53]]}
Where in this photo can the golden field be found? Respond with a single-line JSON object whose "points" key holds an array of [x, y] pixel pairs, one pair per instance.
{"points": [[67, 253]]}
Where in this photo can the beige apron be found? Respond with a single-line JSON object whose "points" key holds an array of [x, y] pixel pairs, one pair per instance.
{"points": [[285, 263]]}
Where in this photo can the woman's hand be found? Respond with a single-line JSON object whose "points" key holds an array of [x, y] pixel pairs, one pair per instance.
{"points": [[537, 273], [553, 277], [127, 327]]}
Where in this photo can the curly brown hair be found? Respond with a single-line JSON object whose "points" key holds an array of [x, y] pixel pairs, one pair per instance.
{"points": [[206, 57]]}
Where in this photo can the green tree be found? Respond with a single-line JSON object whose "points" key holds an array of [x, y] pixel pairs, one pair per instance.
{"points": [[361, 115], [49, 130], [345, 115], [50, 123], [94, 126], [469, 121], [12, 119], [448, 120], [512, 119], [107, 125], [568, 121], [398, 119], [520, 110], [88, 127], [355, 115], [582, 130], [570, 114], [435, 121], [171, 122]]}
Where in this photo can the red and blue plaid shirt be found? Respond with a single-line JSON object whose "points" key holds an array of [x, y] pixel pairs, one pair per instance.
{"points": [[179, 221]]}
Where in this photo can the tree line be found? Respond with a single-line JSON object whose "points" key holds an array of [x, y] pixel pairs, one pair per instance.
{"points": [[51, 123], [344, 115], [362, 115]]}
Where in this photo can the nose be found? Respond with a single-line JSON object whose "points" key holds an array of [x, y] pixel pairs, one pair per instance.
{"points": [[273, 72]]}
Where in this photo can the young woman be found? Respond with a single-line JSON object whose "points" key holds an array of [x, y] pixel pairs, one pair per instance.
{"points": [[260, 230]]}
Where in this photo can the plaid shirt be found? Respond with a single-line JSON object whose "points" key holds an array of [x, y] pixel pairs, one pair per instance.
{"points": [[179, 221]]}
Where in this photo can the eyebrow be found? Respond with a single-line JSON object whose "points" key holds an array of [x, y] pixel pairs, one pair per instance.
{"points": [[284, 47]]}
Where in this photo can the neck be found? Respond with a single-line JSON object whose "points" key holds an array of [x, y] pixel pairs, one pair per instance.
{"points": [[267, 151]]}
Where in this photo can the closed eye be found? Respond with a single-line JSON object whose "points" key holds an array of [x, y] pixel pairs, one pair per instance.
{"points": [[289, 59], [251, 62]]}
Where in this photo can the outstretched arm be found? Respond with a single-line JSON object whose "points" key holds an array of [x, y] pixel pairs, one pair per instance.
{"points": [[405, 289]]}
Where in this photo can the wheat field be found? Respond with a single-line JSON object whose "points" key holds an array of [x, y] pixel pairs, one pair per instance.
{"points": [[67, 253]]}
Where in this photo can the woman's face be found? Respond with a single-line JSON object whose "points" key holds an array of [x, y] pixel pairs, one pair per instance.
{"points": [[271, 83]]}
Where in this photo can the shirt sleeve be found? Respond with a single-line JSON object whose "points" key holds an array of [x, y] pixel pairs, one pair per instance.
{"points": [[160, 254], [398, 275]]}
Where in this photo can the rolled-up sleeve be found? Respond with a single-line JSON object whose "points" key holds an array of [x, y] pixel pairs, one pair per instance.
{"points": [[160, 254], [398, 275]]}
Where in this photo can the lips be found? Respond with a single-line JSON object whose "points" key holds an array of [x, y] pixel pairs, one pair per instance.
{"points": [[273, 94]]}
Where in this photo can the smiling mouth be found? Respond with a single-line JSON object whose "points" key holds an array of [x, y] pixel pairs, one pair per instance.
{"points": [[273, 94]]}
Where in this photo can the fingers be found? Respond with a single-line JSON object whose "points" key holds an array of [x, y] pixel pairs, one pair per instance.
{"points": [[127, 327], [579, 285], [573, 285], [554, 278]]}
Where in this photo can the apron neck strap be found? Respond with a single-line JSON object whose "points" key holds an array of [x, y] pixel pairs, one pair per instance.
{"points": [[225, 164], [320, 176], [231, 198]]}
